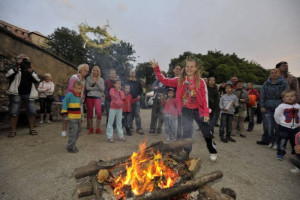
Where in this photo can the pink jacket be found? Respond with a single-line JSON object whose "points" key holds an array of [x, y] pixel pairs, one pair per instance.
{"points": [[117, 98], [202, 97]]}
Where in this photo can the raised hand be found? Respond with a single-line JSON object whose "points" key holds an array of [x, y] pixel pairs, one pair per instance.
{"points": [[153, 63]]}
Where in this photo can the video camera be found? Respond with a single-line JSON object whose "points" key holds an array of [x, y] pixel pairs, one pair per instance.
{"points": [[25, 64]]}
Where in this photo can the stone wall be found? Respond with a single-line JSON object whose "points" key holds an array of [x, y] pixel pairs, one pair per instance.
{"points": [[42, 61]]}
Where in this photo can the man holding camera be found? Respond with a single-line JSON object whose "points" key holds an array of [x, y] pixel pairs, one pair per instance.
{"points": [[22, 88]]}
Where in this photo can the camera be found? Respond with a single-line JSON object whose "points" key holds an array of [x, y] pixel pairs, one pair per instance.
{"points": [[25, 64]]}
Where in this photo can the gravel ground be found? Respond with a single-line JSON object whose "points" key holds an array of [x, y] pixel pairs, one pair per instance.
{"points": [[38, 167]]}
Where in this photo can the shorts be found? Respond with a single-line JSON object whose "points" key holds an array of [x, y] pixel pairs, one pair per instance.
{"points": [[15, 102], [241, 113]]}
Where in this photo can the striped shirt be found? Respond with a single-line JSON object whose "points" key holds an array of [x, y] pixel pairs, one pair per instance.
{"points": [[71, 106]]}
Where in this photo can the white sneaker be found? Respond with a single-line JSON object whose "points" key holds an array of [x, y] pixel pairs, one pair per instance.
{"points": [[49, 122], [41, 122], [275, 146], [63, 134], [270, 145], [213, 156], [295, 171]]}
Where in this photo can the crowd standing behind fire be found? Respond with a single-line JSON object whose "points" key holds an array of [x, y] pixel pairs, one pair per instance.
{"points": [[183, 98]]}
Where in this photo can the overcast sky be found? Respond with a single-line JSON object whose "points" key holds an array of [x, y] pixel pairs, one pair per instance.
{"points": [[266, 31]]}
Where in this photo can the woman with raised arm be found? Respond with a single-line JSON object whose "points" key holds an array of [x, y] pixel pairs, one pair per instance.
{"points": [[191, 100]]}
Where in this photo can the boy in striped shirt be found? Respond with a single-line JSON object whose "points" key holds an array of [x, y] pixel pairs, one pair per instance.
{"points": [[71, 111]]}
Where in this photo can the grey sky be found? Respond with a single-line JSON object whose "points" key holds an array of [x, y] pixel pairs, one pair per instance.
{"points": [[266, 31]]}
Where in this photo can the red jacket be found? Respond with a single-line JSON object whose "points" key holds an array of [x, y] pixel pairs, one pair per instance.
{"points": [[170, 106], [127, 102], [202, 98], [117, 98]]}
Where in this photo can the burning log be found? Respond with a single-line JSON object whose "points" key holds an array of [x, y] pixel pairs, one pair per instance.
{"points": [[94, 167], [187, 187]]}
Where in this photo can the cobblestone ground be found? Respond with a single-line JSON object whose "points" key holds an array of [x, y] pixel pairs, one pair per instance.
{"points": [[38, 167]]}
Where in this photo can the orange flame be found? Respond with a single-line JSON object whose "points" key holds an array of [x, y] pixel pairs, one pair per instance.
{"points": [[144, 174]]}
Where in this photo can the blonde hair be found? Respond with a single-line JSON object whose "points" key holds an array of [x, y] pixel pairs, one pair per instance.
{"points": [[275, 69], [198, 73], [99, 72], [77, 83], [47, 74], [82, 66], [288, 91]]}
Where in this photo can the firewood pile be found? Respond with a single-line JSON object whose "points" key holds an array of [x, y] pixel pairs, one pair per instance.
{"points": [[159, 171]]}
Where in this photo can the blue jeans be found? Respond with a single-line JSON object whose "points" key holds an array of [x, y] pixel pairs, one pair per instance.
{"points": [[286, 134], [170, 125], [15, 102], [114, 113], [270, 127], [226, 122], [188, 116], [251, 118], [135, 113]]}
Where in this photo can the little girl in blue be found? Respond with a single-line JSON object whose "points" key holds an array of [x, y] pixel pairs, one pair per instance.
{"points": [[191, 101]]}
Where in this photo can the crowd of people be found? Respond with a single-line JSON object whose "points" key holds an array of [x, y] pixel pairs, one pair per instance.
{"points": [[183, 98]]}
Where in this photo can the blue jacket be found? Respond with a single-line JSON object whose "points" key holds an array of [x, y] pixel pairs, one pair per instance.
{"points": [[270, 94]]}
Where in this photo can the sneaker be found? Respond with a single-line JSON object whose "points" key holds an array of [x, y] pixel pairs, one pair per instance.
{"points": [[152, 131], [91, 130], [98, 130], [129, 133], [224, 140], [158, 131], [262, 143], [63, 134], [73, 150], [49, 122], [275, 146], [280, 157], [168, 139], [295, 171], [242, 135], [140, 131], [110, 140], [213, 156], [270, 145], [122, 139], [41, 122], [230, 139]]}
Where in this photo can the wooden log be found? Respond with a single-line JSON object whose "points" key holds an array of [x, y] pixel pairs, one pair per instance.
{"points": [[85, 190], [187, 187], [93, 168], [96, 189]]}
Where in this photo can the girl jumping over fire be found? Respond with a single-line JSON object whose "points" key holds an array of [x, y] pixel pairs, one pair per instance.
{"points": [[191, 100]]}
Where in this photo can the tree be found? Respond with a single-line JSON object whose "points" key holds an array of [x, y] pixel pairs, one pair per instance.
{"points": [[144, 70], [67, 44], [224, 66]]}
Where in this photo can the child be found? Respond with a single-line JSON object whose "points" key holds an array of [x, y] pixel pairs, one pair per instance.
{"points": [[287, 116], [72, 113], [170, 112], [115, 111], [191, 102], [227, 103], [128, 100]]}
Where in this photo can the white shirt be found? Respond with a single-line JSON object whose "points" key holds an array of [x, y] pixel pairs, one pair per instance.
{"points": [[288, 115]]}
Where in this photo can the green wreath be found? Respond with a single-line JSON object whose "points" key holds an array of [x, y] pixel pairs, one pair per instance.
{"points": [[83, 28]]}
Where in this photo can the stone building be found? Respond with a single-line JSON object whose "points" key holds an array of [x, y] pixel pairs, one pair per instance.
{"points": [[43, 61]]}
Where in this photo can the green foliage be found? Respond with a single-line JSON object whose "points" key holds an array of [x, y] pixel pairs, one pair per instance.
{"points": [[67, 44], [224, 66], [144, 70]]}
